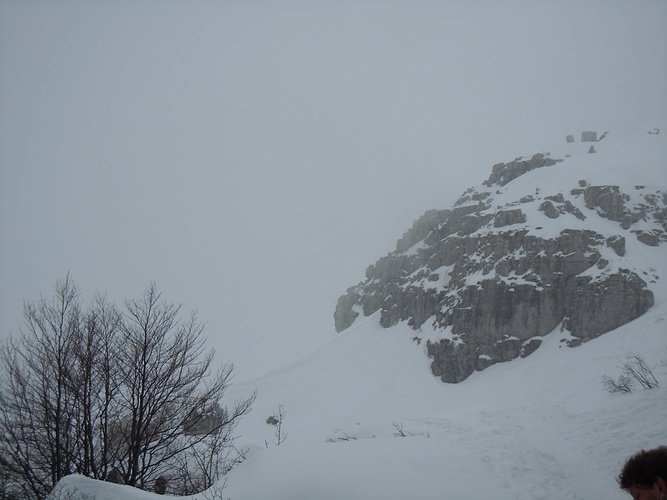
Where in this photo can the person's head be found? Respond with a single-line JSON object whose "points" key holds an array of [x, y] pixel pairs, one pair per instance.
{"points": [[644, 475]]}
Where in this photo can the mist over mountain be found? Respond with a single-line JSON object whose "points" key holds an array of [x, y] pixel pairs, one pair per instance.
{"points": [[255, 158], [566, 240]]}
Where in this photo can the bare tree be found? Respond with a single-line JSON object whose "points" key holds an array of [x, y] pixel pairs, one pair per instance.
{"points": [[206, 464], [36, 418], [94, 384], [166, 374], [99, 391]]}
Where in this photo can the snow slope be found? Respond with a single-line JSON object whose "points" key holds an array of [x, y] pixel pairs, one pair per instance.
{"points": [[542, 427], [539, 427], [535, 428]]}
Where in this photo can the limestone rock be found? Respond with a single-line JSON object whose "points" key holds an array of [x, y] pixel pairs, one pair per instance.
{"points": [[589, 136], [651, 239], [502, 173], [345, 315], [509, 217], [617, 244], [490, 284], [598, 306]]}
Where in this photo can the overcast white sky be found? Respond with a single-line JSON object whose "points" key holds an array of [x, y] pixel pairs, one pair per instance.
{"points": [[254, 157]]}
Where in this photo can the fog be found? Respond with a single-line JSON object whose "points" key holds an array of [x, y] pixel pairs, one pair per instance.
{"points": [[253, 157]]}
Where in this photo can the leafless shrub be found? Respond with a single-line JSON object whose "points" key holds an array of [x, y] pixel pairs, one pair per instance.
{"points": [[277, 420], [342, 436], [401, 432], [634, 370], [640, 371], [623, 383]]}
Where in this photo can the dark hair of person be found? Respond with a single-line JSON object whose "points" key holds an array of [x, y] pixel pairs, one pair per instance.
{"points": [[642, 468]]}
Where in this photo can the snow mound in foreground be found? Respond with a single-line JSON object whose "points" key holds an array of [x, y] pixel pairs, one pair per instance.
{"points": [[77, 487]]}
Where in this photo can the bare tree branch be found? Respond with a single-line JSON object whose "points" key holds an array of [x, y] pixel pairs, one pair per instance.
{"points": [[97, 391]]}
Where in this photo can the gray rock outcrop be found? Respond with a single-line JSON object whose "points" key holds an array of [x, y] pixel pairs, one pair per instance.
{"points": [[492, 288], [589, 136], [502, 173]]}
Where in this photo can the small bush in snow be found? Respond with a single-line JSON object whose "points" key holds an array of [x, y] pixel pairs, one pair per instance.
{"points": [[400, 432], [277, 420], [623, 383], [341, 436], [633, 371]]}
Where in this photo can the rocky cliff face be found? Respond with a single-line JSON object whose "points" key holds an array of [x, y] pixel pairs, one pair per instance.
{"points": [[538, 246]]}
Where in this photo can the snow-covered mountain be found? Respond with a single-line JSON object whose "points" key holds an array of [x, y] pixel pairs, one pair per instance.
{"points": [[365, 416], [571, 238]]}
